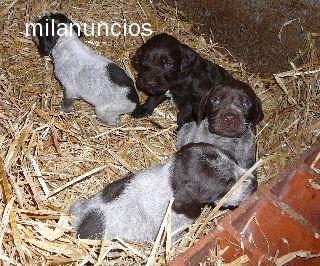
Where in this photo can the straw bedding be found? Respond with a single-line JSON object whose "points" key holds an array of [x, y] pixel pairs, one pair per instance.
{"points": [[49, 158]]}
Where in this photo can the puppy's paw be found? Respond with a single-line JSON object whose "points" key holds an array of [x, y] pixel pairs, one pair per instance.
{"points": [[115, 123], [191, 209], [140, 112], [111, 121]]}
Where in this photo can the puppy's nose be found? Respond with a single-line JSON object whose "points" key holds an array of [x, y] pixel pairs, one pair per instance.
{"points": [[151, 83], [232, 118]]}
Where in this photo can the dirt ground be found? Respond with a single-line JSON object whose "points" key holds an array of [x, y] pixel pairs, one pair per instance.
{"points": [[250, 29]]}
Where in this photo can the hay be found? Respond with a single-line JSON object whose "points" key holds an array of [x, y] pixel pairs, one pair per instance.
{"points": [[49, 158]]}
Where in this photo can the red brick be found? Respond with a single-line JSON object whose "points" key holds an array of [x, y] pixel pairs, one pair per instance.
{"points": [[234, 249], [197, 252], [274, 231], [310, 156], [297, 192], [223, 239], [316, 164]]}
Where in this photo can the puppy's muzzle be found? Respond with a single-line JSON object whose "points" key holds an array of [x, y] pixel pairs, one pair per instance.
{"points": [[150, 84], [230, 123]]}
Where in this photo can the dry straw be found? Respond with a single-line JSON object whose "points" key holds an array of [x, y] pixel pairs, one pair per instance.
{"points": [[49, 159]]}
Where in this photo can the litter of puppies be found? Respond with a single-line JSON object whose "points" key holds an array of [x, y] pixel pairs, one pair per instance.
{"points": [[66, 146]]}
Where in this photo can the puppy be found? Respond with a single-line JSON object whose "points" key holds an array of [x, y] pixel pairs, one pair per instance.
{"points": [[134, 207], [84, 73], [226, 118], [166, 67]]}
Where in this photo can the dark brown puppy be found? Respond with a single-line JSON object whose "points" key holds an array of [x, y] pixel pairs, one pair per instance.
{"points": [[166, 67], [202, 174], [231, 107]]}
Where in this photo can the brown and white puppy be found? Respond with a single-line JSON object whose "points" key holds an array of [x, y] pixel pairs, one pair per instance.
{"points": [[134, 207], [226, 118], [168, 68]]}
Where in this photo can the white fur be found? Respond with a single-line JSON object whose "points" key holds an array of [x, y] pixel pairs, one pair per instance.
{"points": [[169, 95], [242, 192], [83, 74], [137, 213], [242, 148]]}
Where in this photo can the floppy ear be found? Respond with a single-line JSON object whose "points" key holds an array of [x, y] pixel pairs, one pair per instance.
{"points": [[189, 56], [189, 207], [46, 44], [48, 39], [202, 106], [257, 112], [75, 28], [60, 18], [78, 31], [136, 60]]}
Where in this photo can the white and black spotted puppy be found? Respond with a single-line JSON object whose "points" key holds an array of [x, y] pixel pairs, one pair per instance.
{"points": [[134, 207], [84, 73]]}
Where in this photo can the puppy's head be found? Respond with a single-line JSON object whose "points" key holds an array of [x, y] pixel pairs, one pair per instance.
{"points": [[230, 107], [46, 31], [160, 61]]}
